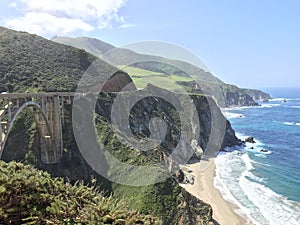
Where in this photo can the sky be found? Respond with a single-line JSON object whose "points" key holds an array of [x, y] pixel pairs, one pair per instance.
{"points": [[250, 43]]}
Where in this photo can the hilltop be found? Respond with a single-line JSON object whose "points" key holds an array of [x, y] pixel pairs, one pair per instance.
{"points": [[32, 63], [174, 75]]}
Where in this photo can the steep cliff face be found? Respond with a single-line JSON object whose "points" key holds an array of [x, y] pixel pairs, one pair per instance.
{"points": [[239, 99], [160, 198], [209, 115]]}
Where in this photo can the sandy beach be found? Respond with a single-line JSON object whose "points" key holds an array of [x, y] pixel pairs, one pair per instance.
{"points": [[203, 188]]}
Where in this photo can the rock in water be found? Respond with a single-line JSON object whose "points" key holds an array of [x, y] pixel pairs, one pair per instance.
{"points": [[250, 139]]}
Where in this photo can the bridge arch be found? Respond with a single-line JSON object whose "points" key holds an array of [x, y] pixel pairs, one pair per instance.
{"points": [[44, 133]]}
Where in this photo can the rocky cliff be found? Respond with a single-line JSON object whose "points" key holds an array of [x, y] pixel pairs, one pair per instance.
{"points": [[235, 96], [184, 209], [257, 94]]}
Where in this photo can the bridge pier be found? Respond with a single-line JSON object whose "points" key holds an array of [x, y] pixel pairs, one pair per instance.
{"points": [[57, 127]]}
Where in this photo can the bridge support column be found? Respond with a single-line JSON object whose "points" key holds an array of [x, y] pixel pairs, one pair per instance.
{"points": [[57, 128], [53, 139]]}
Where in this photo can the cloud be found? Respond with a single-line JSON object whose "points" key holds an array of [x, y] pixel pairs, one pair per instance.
{"points": [[13, 4], [47, 24], [61, 17], [127, 25]]}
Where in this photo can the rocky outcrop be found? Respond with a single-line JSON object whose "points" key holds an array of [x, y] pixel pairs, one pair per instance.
{"points": [[212, 123], [250, 140], [257, 94], [234, 96]]}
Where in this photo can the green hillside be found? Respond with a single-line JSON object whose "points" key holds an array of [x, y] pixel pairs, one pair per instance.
{"points": [[174, 75], [154, 68], [32, 63], [142, 77]]}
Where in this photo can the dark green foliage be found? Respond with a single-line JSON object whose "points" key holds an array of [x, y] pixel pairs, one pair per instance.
{"points": [[30, 196], [21, 138], [31, 63]]}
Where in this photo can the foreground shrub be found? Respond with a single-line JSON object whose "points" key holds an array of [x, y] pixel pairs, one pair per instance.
{"points": [[31, 196]]}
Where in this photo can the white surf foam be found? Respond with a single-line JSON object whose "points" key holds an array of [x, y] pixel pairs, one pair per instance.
{"points": [[230, 115], [277, 99], [237, 184], [292, 123], [269, 105], [228, 170], [276, 209], [256, 147]]}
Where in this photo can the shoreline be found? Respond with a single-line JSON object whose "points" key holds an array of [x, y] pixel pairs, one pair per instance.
{"points": [[204, 189]]}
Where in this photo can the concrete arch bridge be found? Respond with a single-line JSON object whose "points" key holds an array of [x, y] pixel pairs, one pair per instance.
{"points": [[47, 111]]}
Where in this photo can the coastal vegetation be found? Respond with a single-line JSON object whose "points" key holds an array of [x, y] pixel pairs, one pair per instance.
{"points": [[31, 196]]}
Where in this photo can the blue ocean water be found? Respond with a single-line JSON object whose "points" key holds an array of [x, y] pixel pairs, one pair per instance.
{"points": [[264, 185]]}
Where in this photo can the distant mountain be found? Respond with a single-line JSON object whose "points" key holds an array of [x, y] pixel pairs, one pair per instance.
{"points": [[91, 45], [170, 74]]}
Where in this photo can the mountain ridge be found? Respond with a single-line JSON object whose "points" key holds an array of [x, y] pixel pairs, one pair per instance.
{"points": [[226, 95]]}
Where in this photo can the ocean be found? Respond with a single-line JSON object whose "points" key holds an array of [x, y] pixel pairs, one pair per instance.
{"points": [[264, 185]]}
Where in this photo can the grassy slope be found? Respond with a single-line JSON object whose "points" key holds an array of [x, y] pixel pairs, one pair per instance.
{"points": [[156, 70], [142, 77]]}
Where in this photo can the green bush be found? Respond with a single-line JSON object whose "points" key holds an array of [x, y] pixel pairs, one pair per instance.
{"points": [[31, 196]]}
